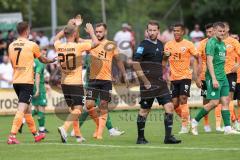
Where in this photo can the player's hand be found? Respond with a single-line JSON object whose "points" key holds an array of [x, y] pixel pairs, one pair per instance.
{"points": [[147, 84], [72, 22], [166, 53], [89, 28], [215, 83], [78, 20], [235, 68], [199, 83], [36, 93]]}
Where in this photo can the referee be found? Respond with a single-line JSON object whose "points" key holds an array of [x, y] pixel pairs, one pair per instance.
{"points": [[148, 66]]}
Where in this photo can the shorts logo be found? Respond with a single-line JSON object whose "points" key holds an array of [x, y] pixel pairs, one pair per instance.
{"points": [[186, 88], [213, 93], [30, 99], [233, 85], [89, 93]]}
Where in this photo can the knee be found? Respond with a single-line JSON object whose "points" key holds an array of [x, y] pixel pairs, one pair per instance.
{"points": [[169, 108], [90, 104], [144, 112], [103, 104], [183, 100]]}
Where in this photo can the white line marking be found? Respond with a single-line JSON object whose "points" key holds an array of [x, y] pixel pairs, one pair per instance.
{"points": [[139, 147]]}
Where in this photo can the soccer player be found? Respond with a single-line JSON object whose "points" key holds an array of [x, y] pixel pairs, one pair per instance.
{"points": [[22, 53], [70, 58], [180, 73], [231, 66], [39, 100], [216, 80], [148, 66], [112, 131], [100, 85], [201, 50]]}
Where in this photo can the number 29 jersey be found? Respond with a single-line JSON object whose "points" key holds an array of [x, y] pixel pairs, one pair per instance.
{"points": [[70, 59], [22, 53]]}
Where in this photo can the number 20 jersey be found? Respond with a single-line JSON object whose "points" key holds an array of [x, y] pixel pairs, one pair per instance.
{"points": [[70, 59], [22, 53]]}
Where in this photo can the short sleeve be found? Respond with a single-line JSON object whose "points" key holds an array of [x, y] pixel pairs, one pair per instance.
{"points": [[210, 47], [56, 43], [84, 46], [36, 51], [193, 49], [139, 52], [39, 67], [237, 47], [200, 48], [167, 47]]}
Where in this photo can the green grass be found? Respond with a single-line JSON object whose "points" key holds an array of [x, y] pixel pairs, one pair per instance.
{"points": [[205, 146]]}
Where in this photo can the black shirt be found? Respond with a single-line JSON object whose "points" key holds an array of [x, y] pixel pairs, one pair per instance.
{"points": [[150, 56]]}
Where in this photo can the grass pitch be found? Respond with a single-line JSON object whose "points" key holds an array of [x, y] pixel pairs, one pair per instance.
{"points": [[211, 146]]}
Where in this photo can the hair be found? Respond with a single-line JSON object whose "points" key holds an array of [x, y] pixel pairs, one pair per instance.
{"points": [[209, 25], [179, 25], [153, 23], [226, 24], [104, 25], [22, 27], [69, 30], [218, 24]]}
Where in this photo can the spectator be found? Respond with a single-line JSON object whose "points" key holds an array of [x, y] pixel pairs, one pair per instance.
{"points": [[123, 39], [167, 35], [44, 42], [186, 34], [6, 73], [3, 46], [196, 35], [34, 37], [10, 38]]}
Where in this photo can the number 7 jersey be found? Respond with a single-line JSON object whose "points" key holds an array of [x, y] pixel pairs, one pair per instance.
{"points": [[22, 53], [70, 59], [180, 58]]}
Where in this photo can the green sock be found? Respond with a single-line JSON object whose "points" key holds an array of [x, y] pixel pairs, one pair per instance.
{"points": [[109, 123], [41, 119], [226, 117], [82, 118], [201, 114], [34, 112]]}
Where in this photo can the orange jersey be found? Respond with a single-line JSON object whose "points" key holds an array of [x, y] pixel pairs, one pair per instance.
{"points": [[238, 71], [101, 60], [70, 59], [22, 53], [232, 53], [202, 52], [180, 58]]}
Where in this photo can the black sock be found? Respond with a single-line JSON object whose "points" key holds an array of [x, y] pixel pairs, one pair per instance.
{"points": [[141, 125], [168, 122]]}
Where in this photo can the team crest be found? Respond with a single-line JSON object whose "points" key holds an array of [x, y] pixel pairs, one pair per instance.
{"points": [[183, 49]]}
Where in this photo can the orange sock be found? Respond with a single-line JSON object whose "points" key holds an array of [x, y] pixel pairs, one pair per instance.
{"points": [[178, 110], [102, 123], [232, 111], [206, 120], [185, 115], [93, 114], [73, 116], [218, 115], [30, 122], [76, 129], [17, 122]]}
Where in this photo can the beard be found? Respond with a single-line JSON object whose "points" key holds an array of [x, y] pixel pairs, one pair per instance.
{"points": [[100, 38], [153, 37]]}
